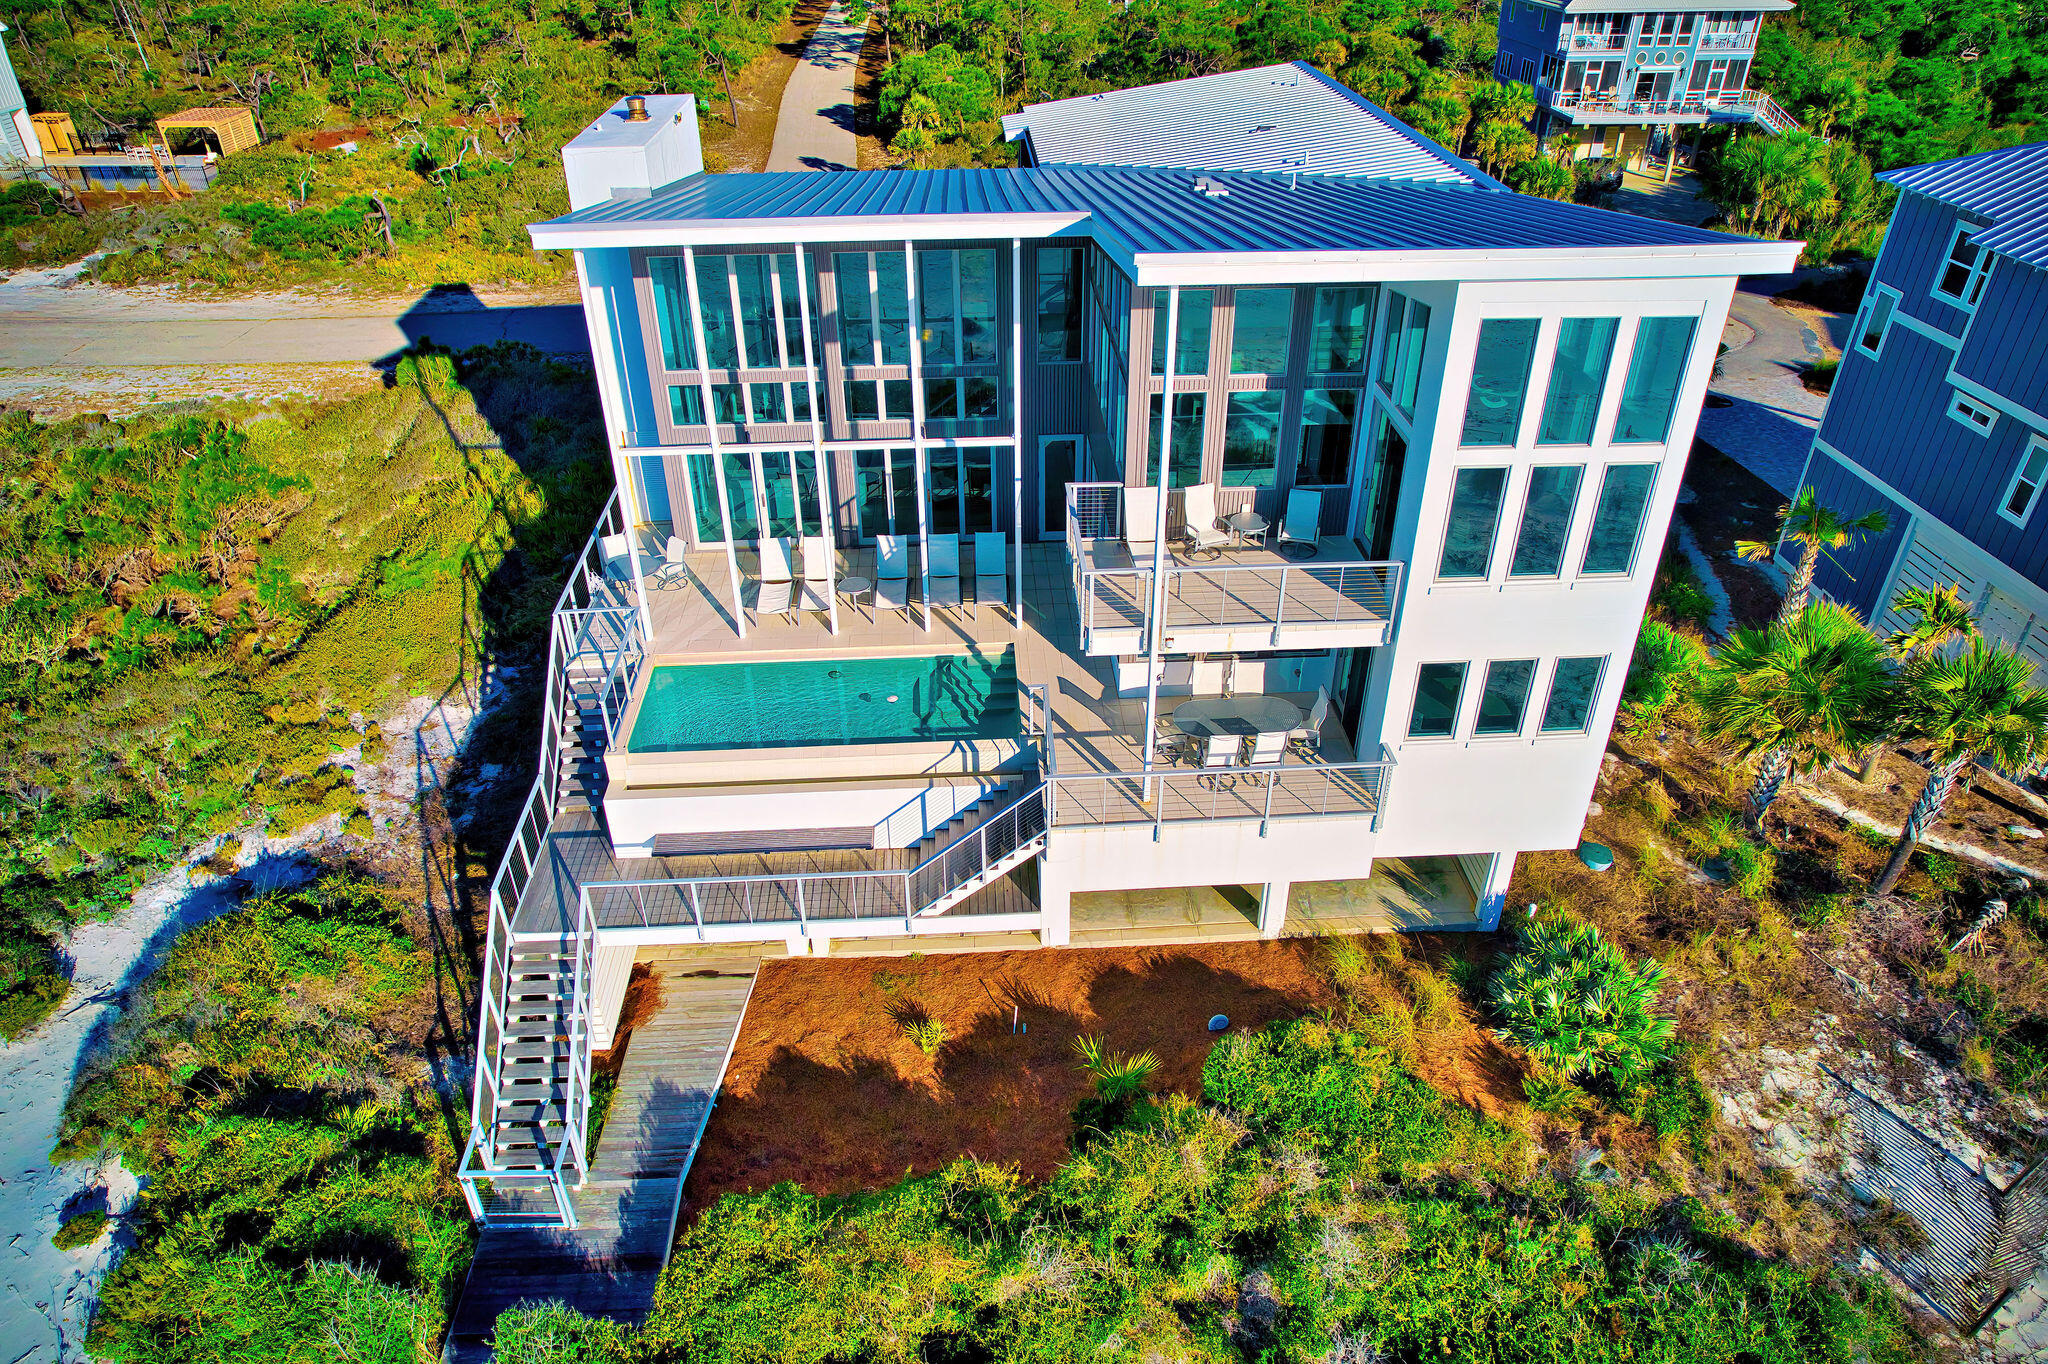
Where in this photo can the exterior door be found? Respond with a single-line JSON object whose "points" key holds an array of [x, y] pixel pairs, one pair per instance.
{"points": [[774, 489], [1059, 460]]}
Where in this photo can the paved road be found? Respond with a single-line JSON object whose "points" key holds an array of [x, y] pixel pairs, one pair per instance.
{"points": [[1768, 424], [45, 326], [814, 127]]}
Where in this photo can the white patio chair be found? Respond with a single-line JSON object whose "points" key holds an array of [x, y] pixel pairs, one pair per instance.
{"points": [[1308, 740], [991, 558], [1199, 522], [818, 578], [675, 562], [945, 569], [1220, 754], [1141, 523], [1303, 523], [776, 594], [892, 573], [1267, 748], [617, 555]]}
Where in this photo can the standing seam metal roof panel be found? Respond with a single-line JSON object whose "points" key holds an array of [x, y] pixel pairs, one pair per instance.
{"points": [[1264, 118], [1162, 212], [2007, 187]]}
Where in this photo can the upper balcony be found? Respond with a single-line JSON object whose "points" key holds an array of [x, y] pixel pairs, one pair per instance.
{"points": [[1247, 598], [1606, 107]]}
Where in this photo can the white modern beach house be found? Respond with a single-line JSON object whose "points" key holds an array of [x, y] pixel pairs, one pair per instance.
{"points": [[1234, 521]]}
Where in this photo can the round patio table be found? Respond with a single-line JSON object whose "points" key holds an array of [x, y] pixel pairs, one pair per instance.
{"points": [[1206, 715]]}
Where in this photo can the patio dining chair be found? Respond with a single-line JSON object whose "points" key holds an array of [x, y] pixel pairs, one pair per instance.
{"points": [[675, 563], [1267, 748], [1200, 525], [1308, 740], [1220, 754], [1301, 527]]}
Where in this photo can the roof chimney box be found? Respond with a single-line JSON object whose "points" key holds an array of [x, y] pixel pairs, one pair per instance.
{"points": [[634, 148]]}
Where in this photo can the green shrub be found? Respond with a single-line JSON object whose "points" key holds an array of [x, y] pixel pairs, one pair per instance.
{"points": [[1678, 593], [1571, 1000], [1549, 1092], [1663, 674], [80, 1229], [555, 1333], [1819, 375], [32, 981]]}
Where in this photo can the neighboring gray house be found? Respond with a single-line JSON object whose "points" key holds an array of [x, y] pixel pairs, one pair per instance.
{"points": [[1939, 414], [18, 140], [1612, 76]]}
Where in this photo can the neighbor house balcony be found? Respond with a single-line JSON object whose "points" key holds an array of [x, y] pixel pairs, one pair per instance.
{"points": [[1605, 108], [1246, 598]]}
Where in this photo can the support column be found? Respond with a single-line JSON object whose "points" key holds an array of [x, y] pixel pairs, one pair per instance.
{"points": [[1155, 595], [732, 563], [1017, 427], [1273, 908], [1493, 894], [1055, 904], [610, 969], [1670, 149], [797, 945]]}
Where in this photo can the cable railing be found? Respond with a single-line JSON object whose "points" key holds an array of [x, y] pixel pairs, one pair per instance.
{"points": [[1265, 793], [1757, 103], [1278, 596], [594, 633]]}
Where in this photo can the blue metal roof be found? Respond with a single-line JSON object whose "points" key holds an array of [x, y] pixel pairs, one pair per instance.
{"points": [[1151, 211], [2007, 188], [1266, 118]]}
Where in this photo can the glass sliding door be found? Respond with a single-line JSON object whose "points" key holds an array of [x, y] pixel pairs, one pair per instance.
{"points": [[1058, 463], [777, 489]]}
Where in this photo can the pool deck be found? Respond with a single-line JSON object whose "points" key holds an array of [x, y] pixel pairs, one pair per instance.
{"points": [[1093, 728]]}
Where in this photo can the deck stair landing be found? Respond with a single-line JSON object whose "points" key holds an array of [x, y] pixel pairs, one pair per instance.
{"points": [[609, 1264]]}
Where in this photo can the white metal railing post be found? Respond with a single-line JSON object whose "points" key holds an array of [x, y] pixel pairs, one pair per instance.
{"points": [[1017, 425], [1163, 489], [697, 910]]}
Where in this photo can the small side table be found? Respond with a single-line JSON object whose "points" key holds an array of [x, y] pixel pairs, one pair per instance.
{"points": [[853, 586], [1246, 526]]}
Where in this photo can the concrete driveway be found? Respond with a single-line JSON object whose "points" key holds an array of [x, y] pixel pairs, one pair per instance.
{"points": [[1758, 412]]}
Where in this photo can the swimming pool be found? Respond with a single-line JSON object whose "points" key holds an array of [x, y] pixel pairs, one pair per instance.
{"points": [[815, 703]]}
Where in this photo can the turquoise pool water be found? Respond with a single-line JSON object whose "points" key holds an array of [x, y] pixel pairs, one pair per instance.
{"points": [[814, 703]]}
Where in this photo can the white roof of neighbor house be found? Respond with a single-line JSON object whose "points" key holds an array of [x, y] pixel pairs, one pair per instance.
{"points": [[1289, 117]]}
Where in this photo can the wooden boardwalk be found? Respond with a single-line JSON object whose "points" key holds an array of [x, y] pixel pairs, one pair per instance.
{"points": [[609, 1265]]}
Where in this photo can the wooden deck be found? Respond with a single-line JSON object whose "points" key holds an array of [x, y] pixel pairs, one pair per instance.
{"points": [[609, 1265]]}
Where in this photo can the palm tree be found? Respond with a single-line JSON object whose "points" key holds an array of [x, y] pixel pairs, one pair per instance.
{"points": [[1940, 618], [1816, 530], [1795, 695], [1980, 704]]}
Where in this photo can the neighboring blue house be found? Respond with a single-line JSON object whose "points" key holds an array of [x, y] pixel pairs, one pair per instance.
{"points": [[1937, 415], [1610, 79], [18, 142]]}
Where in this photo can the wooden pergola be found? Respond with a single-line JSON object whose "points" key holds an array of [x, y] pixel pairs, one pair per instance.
{"points": [[231, 125]]}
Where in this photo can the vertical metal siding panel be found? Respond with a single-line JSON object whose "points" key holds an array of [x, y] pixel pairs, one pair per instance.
{"points": [[1854, 576], [2008, 336], [1914, 247]]}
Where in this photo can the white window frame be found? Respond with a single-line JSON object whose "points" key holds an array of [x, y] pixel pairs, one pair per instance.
{"points": [[2036, 445], [1863, 320], [1980, 269], [1592, 699], [1485, 674], [1457, 710], [1976, 416]]}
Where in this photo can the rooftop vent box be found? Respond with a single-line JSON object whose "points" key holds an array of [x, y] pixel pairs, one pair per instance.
{"points": [[1211, 189], [625, 155]]}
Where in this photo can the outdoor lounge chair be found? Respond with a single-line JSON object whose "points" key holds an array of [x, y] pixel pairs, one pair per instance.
{"points": [[991, 558], [818, 582], [1141, 523], [775, 596], [1302, 525], [1199, 522], [892, 573], [1308, 740], [943, 567]]}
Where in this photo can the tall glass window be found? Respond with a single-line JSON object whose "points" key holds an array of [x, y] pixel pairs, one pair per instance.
{"points": [[892, 307], [937, 302], [793, 306], [1546, 521], [1572, 687], [1650, 396], [1337, 337], [766, 402], [1474, 517], [1578, 376], [1328, 416], [1382, 485], [714, 298], [1185, 443], [1260, 319], [1437, 689], [672, 313], [856, 307], [1191, 346], [1251, 439], [760, 345], [1058, 295], [1618, 518], [1402, 335], [1500, 380], [1505, 697]]}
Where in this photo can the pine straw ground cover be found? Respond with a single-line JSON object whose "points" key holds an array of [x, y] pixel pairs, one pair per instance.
{"points": [[828, 1088]]}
